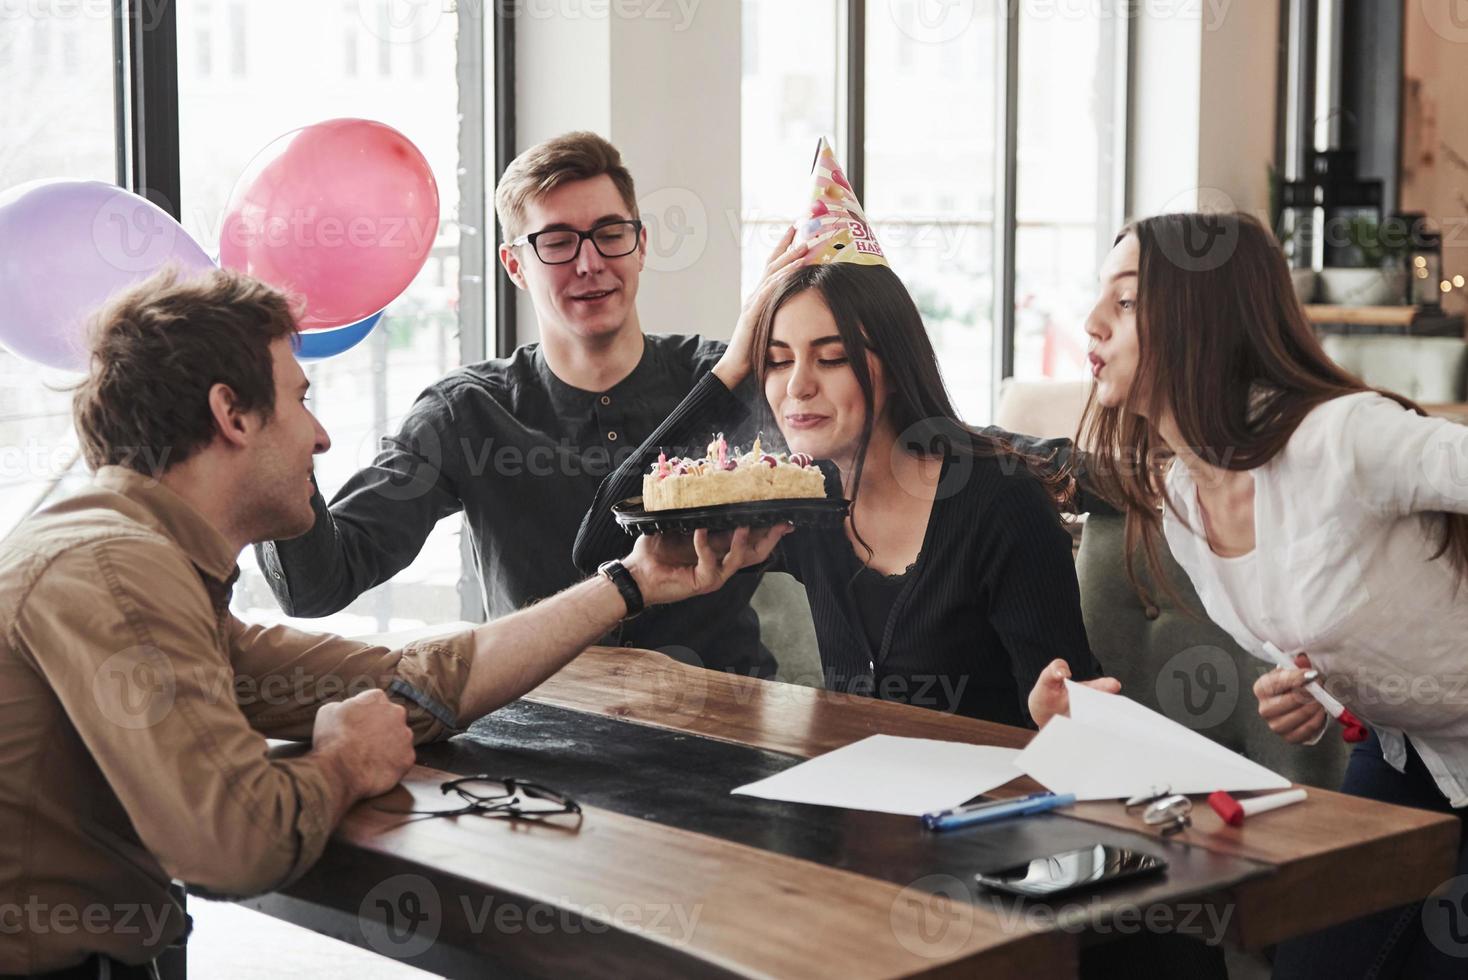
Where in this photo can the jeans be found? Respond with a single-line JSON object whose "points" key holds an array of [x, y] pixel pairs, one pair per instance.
{"points": [[1393, 943]]}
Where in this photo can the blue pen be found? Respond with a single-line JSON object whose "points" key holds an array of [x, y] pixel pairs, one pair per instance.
{"points": [[968, 816]]}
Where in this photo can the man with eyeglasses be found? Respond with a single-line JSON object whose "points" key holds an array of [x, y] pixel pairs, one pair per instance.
{"points": [[520, 444]]}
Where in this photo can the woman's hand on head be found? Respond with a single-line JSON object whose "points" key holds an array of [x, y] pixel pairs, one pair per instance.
{"points": [[788, 256], [1049, 697]]}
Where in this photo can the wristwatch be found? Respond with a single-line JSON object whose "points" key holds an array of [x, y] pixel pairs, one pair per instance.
{"points": [[617, 573]]}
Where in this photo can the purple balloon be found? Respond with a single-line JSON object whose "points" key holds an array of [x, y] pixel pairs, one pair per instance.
{"points": [[66, 248]]}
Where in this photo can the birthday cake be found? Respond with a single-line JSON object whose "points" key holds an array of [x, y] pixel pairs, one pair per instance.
{"points": [[725, 476]]}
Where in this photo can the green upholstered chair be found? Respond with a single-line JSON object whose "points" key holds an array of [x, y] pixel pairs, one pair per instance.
{"points": [[1183, 665], [1428, 370]]}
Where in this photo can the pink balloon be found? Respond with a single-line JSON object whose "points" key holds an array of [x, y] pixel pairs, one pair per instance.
{"points": [[341, 213]]}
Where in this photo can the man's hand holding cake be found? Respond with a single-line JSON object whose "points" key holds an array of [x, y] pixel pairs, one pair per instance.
{"points": [[666, 569]]}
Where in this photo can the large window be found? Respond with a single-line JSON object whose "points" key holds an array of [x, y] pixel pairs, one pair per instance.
{"points": [[931, 128], [788, 101], [933, 82], [57, 121], [1071, 122], [247, 74]]}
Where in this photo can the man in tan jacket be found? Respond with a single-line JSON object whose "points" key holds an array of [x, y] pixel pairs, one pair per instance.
{"points": [[134, 707]]}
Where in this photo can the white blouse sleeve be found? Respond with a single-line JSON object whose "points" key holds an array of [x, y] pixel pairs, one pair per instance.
{"points": [[1397, 461]]}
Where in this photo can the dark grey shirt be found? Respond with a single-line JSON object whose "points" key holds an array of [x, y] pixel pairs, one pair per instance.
{"points": [[521, 453]]}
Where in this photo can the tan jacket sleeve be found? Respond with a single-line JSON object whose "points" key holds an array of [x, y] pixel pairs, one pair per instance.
{"points": [[134, 656], [282, 675]]}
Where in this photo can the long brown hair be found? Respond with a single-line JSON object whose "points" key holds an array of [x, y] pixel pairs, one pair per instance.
{"points": [[1225, 346], [874, 311]]}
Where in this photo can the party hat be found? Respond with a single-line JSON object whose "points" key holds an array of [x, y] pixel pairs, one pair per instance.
{"points": [[834, 208]]}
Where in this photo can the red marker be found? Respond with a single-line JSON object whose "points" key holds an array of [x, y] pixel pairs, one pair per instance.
{"points": [[1234, 811], [1352, 729]]}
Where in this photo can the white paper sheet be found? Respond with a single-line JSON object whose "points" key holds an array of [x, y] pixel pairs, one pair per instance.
{"points": [[890, 774], [1112, 747]]}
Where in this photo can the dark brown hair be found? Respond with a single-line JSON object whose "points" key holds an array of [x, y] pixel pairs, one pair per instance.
{"points": [[874, 311], [549, 164], [1225, 346], [157, 349]]}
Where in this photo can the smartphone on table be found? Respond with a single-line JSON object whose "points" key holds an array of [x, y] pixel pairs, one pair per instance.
{"points": [[1074, 870]]}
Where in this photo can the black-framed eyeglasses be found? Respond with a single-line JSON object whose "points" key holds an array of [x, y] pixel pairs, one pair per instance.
{"points": [[557, 246], [499, 796]]}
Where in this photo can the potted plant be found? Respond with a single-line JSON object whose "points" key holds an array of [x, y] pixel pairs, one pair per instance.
{"points": [[1371, 270]]}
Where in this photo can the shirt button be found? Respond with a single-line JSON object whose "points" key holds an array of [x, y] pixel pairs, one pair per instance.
{"points": [[611, 437], [606, 399]]}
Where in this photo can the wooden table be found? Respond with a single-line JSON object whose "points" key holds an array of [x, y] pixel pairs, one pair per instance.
{"points": [[667, 875]]}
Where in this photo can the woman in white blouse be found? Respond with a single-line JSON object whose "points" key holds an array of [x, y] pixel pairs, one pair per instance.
{"points": [[1309, 510]]}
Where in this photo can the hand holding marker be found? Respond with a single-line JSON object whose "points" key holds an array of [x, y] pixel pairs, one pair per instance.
{"points": [[1352, 729]]}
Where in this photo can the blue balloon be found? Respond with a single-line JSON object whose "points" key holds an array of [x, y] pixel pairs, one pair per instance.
{"points": [[312, 345]]}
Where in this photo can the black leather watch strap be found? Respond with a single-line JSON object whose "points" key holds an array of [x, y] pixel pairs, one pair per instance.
{"points": [[625, 583]]}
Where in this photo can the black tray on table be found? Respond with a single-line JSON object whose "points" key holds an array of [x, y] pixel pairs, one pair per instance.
{"points": [[802, 512]]}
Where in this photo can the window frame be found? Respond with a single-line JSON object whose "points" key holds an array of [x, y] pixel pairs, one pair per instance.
{"points": [[146, 134], [851, 113]]}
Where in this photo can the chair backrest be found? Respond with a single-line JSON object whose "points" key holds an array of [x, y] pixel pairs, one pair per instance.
{"points": [[1047, 409], [1183, 665], [1428, 370], [787, 629]]}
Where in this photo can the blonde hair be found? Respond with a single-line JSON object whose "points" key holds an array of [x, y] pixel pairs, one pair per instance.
{"points": [[560, 160]]}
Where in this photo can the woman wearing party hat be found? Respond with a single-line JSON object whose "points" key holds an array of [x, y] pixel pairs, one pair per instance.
{"points": [[951, 584]]}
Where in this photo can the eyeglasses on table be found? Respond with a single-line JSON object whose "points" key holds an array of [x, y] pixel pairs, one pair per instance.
{"points": [[497, 796]]}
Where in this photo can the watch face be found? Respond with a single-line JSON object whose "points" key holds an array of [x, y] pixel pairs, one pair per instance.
{"points": [[626, 585]]}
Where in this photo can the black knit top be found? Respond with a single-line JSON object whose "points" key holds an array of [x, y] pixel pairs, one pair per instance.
{"points": [[990, 601]]}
